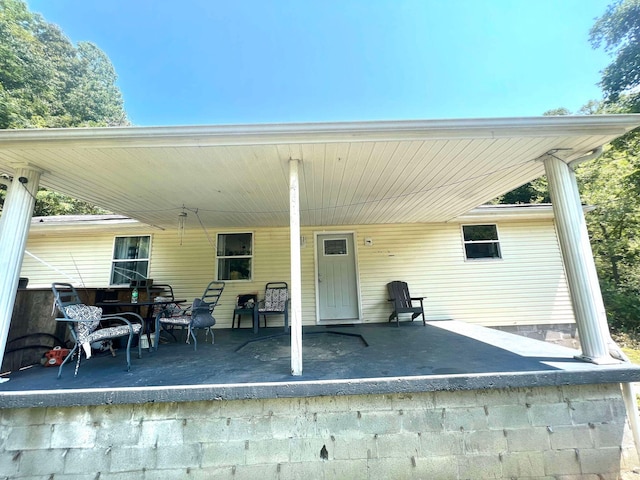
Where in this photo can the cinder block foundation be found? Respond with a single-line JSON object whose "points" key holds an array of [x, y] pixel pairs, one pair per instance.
{"points": [[524, 433]]}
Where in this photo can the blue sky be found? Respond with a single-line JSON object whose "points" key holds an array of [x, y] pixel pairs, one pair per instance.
{"points": [[198, 62]]}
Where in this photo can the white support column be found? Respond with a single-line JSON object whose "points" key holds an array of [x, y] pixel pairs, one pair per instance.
{"points": [[296, 274], [16, 218], [577, 255]]}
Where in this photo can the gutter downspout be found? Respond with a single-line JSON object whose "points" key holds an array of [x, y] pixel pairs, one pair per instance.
{"points": [[595, 153], [628, 389]]}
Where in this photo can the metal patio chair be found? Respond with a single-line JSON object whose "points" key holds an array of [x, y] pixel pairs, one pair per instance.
{"points": [[403, 302], [198, 315], [276, 302], [87, 324], [166, 304]]}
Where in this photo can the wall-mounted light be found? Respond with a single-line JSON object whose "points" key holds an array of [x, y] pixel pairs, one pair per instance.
{"points": [[182, 219]]}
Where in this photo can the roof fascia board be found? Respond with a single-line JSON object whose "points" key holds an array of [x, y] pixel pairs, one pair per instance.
{"points": [[319, 132], [505, 213], [493, 213], [86, 223]]}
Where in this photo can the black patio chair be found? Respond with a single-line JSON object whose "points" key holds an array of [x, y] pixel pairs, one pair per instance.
{"points": [[275, 302], [166, 306], [88, 325], [403, 302], [198, 315]]}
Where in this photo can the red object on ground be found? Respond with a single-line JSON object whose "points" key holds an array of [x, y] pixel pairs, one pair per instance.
{"points": [[55, 357]]}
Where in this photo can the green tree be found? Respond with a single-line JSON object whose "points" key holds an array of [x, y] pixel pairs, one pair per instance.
{"points": [[611, 184], [618, 32], [46, 82]]}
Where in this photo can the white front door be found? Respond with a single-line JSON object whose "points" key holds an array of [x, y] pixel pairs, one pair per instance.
{"points": [[337, 282]]}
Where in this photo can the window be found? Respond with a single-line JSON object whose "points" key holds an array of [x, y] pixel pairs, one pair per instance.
{"points": [[235, 256], [130, 259], [335, 246], [481, 241]]}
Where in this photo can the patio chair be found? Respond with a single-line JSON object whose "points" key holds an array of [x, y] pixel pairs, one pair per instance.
{"points": [[276, 302], [163, 293], [198, 315], [245, 305], [403, 302], [87, 325]]}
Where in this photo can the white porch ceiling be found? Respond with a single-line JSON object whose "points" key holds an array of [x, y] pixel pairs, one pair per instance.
{"points": [[351, 173]]}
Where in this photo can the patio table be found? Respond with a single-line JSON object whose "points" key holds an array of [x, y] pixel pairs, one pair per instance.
{"points": [[148, 318]]}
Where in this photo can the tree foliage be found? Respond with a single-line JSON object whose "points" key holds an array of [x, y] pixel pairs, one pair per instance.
{"points": [[47, 82], [610, 184], [618, 32]]}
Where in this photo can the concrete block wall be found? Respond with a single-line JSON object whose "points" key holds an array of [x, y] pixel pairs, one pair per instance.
{"points": [[568, 433]]}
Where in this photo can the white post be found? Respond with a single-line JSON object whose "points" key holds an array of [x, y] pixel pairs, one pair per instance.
{"points": [[577, 255], [16, 219], [296, 275]]}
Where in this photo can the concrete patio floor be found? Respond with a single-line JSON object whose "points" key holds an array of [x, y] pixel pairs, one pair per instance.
{"points": [[444, 355]]}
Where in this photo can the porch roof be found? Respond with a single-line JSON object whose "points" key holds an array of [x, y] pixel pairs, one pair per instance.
{"points": [[444, 355], [350, 173]]}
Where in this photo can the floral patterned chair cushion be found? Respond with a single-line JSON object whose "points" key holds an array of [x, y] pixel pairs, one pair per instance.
{"points": [[275, 300], [83, 312], [88, 331]]}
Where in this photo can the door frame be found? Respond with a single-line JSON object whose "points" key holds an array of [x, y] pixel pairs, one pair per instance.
{"points": [[354, 235]]}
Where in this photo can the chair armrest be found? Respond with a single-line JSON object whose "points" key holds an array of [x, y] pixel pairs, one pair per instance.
{"points": [[74, 320], [418, 298], [109, 317]]}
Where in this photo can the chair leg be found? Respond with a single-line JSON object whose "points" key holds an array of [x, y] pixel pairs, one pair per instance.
{"points": [[75, 349], [140, 346], [424, 320], [195, 340], [157, 333], [129, 351], [256, 321]]}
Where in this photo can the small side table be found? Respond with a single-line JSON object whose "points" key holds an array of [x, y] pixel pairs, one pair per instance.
{"points": [[243, 309]]}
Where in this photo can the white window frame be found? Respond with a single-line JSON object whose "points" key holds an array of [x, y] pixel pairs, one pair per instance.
{"points": [[495, 241], [222, 257], [120, 260]]}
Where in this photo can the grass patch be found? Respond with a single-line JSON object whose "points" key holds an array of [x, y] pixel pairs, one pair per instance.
{"points": [[633, 354]]}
